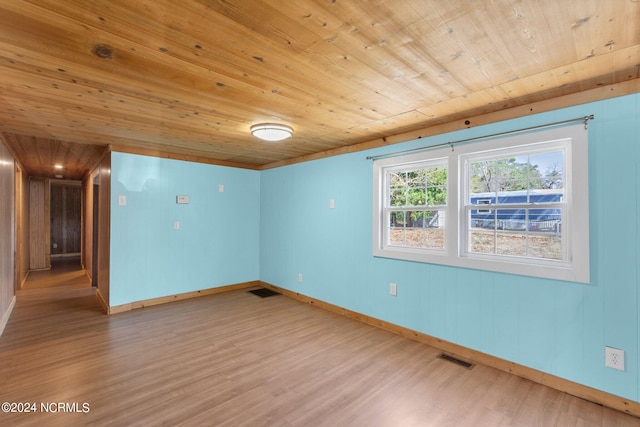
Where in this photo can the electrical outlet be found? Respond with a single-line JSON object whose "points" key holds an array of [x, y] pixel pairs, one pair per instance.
{"points": [[299, 277], [393, 289], [614, 358]]}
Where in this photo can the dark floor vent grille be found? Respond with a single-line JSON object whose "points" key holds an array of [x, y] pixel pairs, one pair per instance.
{"points": [[455, 360], [264, 292]]}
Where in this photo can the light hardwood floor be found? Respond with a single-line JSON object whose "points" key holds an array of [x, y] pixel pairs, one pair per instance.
{"points": [[235, 359]]}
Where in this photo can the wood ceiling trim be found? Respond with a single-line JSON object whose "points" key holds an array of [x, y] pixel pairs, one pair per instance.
{"points": [[183, 157]]}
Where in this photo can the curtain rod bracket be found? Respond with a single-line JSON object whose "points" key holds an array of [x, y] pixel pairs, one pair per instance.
{"points": [[586, 121]]}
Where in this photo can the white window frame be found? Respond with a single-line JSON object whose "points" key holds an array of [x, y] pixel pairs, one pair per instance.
{"points": [[431, 163], [574, 267]]}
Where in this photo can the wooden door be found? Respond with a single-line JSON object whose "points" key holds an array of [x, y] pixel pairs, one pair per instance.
{"points": [[66, 218], [39, 237]]}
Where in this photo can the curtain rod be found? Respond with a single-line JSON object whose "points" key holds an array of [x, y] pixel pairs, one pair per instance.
{"points": [[584, 119]]}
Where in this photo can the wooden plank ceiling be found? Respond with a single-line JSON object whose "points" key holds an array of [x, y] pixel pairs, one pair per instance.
{"points": [[190, 77]]}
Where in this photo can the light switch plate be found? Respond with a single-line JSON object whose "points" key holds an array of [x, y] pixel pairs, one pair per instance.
{"points": [[182, 200], [393, 289]]}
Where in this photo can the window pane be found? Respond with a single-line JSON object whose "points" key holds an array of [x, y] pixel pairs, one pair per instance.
{"points": [[436, 186], [417, 197], [510, 185], [482, 176], [545, 220], [537, 171], [397, 196], [396, 232], [397, 179], [416, 229], [418, 187], [547, 246], [396, 219], [436, 195], [512, 243], [545, 238], [516, 179], [416, 178], [532, 233], [551, 167], [397, 189], [481, 240]]}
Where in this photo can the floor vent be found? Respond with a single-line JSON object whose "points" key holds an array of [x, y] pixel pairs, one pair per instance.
{"points": [[455, 360], [263, 292]]}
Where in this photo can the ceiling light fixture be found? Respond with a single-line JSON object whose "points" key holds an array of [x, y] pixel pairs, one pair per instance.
{"points": [[58, 166], [271, 131]]}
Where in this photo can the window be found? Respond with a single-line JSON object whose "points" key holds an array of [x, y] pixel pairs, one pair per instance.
{"points": [[483, 202], [415, 205], [524, 188], [517, 205]]}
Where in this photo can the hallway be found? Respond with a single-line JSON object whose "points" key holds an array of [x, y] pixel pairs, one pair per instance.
{"points": [[51, 298], [63, 289], [64, 272]]}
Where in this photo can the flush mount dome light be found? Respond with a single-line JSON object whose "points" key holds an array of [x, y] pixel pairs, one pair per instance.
{"points": [[271, 131]]}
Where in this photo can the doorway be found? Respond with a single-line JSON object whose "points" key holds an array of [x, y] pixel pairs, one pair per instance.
{"points": [[66, 220]]}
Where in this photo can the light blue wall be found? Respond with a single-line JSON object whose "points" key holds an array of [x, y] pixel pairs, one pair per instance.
{"points": [[276, 224], [557, 327], [217, 243]]}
